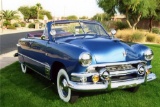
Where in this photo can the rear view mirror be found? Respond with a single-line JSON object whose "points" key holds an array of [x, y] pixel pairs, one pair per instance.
{"points": [[113, 31]]}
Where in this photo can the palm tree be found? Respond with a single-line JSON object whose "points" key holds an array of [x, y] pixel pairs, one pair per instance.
{"points": [[38, 7], [9, 15]]}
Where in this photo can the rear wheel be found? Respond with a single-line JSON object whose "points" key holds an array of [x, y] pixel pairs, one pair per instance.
{"points": [[24, 68], [65, 93]]}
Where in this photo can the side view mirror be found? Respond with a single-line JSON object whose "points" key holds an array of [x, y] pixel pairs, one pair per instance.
{"points": [[53, 32], [113, 32]]}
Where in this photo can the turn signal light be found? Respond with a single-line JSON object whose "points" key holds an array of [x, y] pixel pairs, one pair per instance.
{"points": [[95, 78], [148, 72]]}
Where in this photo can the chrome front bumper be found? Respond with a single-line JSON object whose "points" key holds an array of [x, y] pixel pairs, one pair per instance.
{"points": [[109, 85]]}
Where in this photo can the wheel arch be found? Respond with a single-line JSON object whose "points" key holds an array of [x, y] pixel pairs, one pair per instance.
{"points": [[54, 70]]}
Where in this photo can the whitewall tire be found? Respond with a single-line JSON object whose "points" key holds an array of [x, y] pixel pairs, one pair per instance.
{"points": [[24, 68], [65, 93]]}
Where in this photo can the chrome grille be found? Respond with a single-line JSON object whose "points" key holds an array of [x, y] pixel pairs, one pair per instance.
{"points": [[120, 67]]}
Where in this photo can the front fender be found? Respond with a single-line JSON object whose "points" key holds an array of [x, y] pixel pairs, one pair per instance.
{"points": [[141, 49], [68, 55]]}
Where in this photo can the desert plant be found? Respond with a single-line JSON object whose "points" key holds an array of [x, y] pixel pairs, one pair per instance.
{"points": [[31, 25], [6, 23], [16, 25], [23, 24], [121, 25], [156, 30], [150, 37], [125, 34], [137, 37], [11, 27], [157, 39]]}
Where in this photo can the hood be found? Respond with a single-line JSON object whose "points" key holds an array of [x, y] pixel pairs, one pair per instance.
{"points": [[105, 50]]}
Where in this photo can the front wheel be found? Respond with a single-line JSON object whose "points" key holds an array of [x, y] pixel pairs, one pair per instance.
{"points": [[65, 93]]}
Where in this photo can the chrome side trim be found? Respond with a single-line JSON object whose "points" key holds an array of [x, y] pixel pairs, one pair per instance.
{"points": [[117, 63], [39, 73], [34, 60]]}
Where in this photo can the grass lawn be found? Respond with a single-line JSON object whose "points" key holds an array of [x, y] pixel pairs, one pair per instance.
{"points": [[31, 90]]}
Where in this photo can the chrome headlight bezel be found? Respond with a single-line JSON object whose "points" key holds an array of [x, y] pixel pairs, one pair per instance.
{"points": [[85, 59], [148, 55]]}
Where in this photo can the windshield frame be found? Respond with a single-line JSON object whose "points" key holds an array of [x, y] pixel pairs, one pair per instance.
{"points": [[80, 24]]}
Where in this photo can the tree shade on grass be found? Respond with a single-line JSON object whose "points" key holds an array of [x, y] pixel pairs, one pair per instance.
{"points": [[32, 90]]}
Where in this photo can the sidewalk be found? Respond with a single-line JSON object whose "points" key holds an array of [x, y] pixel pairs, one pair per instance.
{"points": [[8, 31], [7, 59]]}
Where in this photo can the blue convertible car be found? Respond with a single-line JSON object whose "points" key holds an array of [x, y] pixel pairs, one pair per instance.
{"points": [[81, 56]]}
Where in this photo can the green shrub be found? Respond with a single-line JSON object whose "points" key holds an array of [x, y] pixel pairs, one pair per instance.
{"points": [[157, 39], [23, 24], [31, 25], [6, 23], [11, 27], [121, 25], [137, 37], [150, 38], [16, 25], [156, 30]]}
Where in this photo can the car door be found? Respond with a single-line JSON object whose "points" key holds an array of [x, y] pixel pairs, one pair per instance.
{"points": [[38, 55]]}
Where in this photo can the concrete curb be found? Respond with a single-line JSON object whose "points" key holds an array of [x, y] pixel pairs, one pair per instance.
{"points": [[7, 59], [17, 31]]}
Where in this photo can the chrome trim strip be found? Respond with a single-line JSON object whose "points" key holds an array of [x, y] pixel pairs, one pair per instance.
{"points": [[114, 73], [84, 74], [125, 72], [34, 60], [39, 73], [117, 63], [87, 86]]}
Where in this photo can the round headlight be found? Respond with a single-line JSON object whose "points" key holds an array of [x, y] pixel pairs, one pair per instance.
{"points": [[148, 55], [85, 59]]}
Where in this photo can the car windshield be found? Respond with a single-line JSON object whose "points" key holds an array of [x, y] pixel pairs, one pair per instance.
{"points": [[78, 28]]}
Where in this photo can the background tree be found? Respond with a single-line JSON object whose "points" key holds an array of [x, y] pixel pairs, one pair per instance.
{"points": [[83, 17], [32, 13], [133, 9], [154, 13], [101, 17], [47, 13], [9, 15], [26, 11], [38, 8], [72, 17]]}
